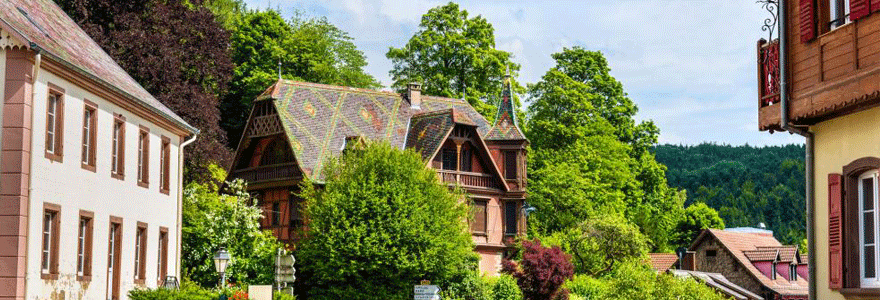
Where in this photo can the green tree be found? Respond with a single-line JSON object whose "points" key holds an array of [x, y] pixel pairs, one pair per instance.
{"points": [[380, 223], [697, 216], [212, 220], [308, 49], [453, 55], [598, 245], [590, 157]]}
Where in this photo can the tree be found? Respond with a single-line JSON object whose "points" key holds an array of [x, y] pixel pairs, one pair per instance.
{"points": [[177, 51], [598, 245], [590, 157], [697, 217], [380, 223], [453, 55], [541, 272], [308, 49], [636, 280], [212, 220]]}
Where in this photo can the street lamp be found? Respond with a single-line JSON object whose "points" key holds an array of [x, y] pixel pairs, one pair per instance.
{"points": [[527, 209], [221, 260]]}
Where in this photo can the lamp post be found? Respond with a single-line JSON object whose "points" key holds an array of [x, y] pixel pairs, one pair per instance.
{"points": [[221, 260]]}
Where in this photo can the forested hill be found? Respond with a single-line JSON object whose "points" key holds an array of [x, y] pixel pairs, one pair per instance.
{"points": [[745, 184]]}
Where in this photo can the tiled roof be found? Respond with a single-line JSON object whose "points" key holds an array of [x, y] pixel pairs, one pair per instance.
{"points": [[738, 243], [661, 262], [804, 258], [506, 126], [719, 283], [762, 255], [317, 118], [427, 131], [43, 25]]}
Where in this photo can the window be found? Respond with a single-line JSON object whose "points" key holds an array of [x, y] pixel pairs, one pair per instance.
{"points": [[276, 214], [711, 253], [510, 165], [144, 157], [449, 160], [838, 12], [466, 160], [84, 247], [773, 270], [510, 217], [165, 166], [792, 272], [118, 159], [867, 225], [49, 251], [478, 225], [140, 253], [89, 130], [54, 124], [276, 152], [296, 219], [162, 260]]}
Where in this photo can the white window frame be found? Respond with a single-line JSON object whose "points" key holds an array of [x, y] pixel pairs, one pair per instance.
{"points": [[117, 131], [137, 252], [52, 122], [868, 282], [48, 228], [87, 137], [81, 247], [142, 136], [838, 13]]}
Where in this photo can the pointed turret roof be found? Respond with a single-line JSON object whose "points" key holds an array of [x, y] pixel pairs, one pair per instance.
{"points": [[506, 126]]}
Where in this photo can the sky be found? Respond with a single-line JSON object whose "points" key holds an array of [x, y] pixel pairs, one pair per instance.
{"points": [[689, 65]]}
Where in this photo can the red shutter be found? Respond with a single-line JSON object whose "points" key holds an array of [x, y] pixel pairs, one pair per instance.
{"points": [[808, 20], [875, 5], [835, 232], [859, 9]]}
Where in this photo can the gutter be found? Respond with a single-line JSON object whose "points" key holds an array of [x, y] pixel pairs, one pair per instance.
{"points": [[38, 59], [180, 149], [808, 155]]}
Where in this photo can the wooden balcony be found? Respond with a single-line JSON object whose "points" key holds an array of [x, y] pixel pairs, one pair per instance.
{"points": [[469, 180], [279, 172], [833, 74]]}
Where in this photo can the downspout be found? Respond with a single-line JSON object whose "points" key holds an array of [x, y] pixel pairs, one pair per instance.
{"points": [[808, 155], [38, 59], [180, 201]]}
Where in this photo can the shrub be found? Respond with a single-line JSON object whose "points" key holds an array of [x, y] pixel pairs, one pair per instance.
{"points": [[597, 245], [541, 272], [283, 296], [381, 223], [468, 286], [588, 288], [187, 291], [505, 288]]}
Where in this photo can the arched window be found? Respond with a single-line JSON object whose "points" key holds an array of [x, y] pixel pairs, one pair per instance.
{"points": [[276, 152]]}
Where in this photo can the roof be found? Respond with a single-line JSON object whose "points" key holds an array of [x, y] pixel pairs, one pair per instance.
{"points": [[661, 262], [317, 118], [506, 126], [757, 245], [719, 283], [46, 28], [762, 255]]}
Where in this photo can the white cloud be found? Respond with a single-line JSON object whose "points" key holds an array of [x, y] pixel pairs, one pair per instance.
{"points": [[689, 65]]}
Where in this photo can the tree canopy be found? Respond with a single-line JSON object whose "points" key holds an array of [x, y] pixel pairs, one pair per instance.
{"points": [[380, 223], [454, 55], [589, 157]]}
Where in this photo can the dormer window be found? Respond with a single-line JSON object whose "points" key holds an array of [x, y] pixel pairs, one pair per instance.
{"points": [[773, 270], [792, 272], [450, 159]]}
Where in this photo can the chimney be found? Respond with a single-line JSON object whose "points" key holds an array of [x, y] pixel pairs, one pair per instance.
{"points": [[414, 95], [689, 261]]}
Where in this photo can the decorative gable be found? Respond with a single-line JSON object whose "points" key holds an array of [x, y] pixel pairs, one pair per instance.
{"points": [[7, 41]]}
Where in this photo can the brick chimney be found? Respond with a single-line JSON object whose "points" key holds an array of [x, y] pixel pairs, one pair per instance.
{"points": [[414, 95]]}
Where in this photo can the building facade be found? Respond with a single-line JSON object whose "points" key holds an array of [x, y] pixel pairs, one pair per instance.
{"points": [[824, 84], [90, 166], [295, 126]]}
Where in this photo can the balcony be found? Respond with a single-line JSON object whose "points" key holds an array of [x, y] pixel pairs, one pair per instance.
{"points": [[470, 180], [768, 85], [286, 171]]}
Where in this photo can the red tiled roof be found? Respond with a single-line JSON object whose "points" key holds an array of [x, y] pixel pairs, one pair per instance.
{"points": [[661, 262], [738, 243], [762, 255], [44, 26]]}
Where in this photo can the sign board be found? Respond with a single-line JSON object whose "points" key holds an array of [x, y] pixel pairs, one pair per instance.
{"points": [[427, 292], [260, 292], [284, 270]]}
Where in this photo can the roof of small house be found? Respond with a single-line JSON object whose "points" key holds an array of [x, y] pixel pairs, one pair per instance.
{"points": [[317, 118], [43, 26], [719, 283], [661, 262], [748, 247]]}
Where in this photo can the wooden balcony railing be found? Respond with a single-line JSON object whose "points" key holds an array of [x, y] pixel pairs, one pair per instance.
{"points": [[468, 179], [267, 173], [768, 72]]}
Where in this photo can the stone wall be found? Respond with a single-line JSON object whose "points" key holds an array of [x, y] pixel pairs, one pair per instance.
{"points": [[726, 264]]}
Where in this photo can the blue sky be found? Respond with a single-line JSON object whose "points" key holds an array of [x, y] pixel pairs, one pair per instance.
{"points": [[688, 64]]}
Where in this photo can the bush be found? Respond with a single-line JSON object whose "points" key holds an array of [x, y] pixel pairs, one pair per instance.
{"points": [[505, 288], [633, 280], [283, 296], [187, 291], [541, 272], [586, 287], [381, 223], [597, 245], [469, 286]]}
